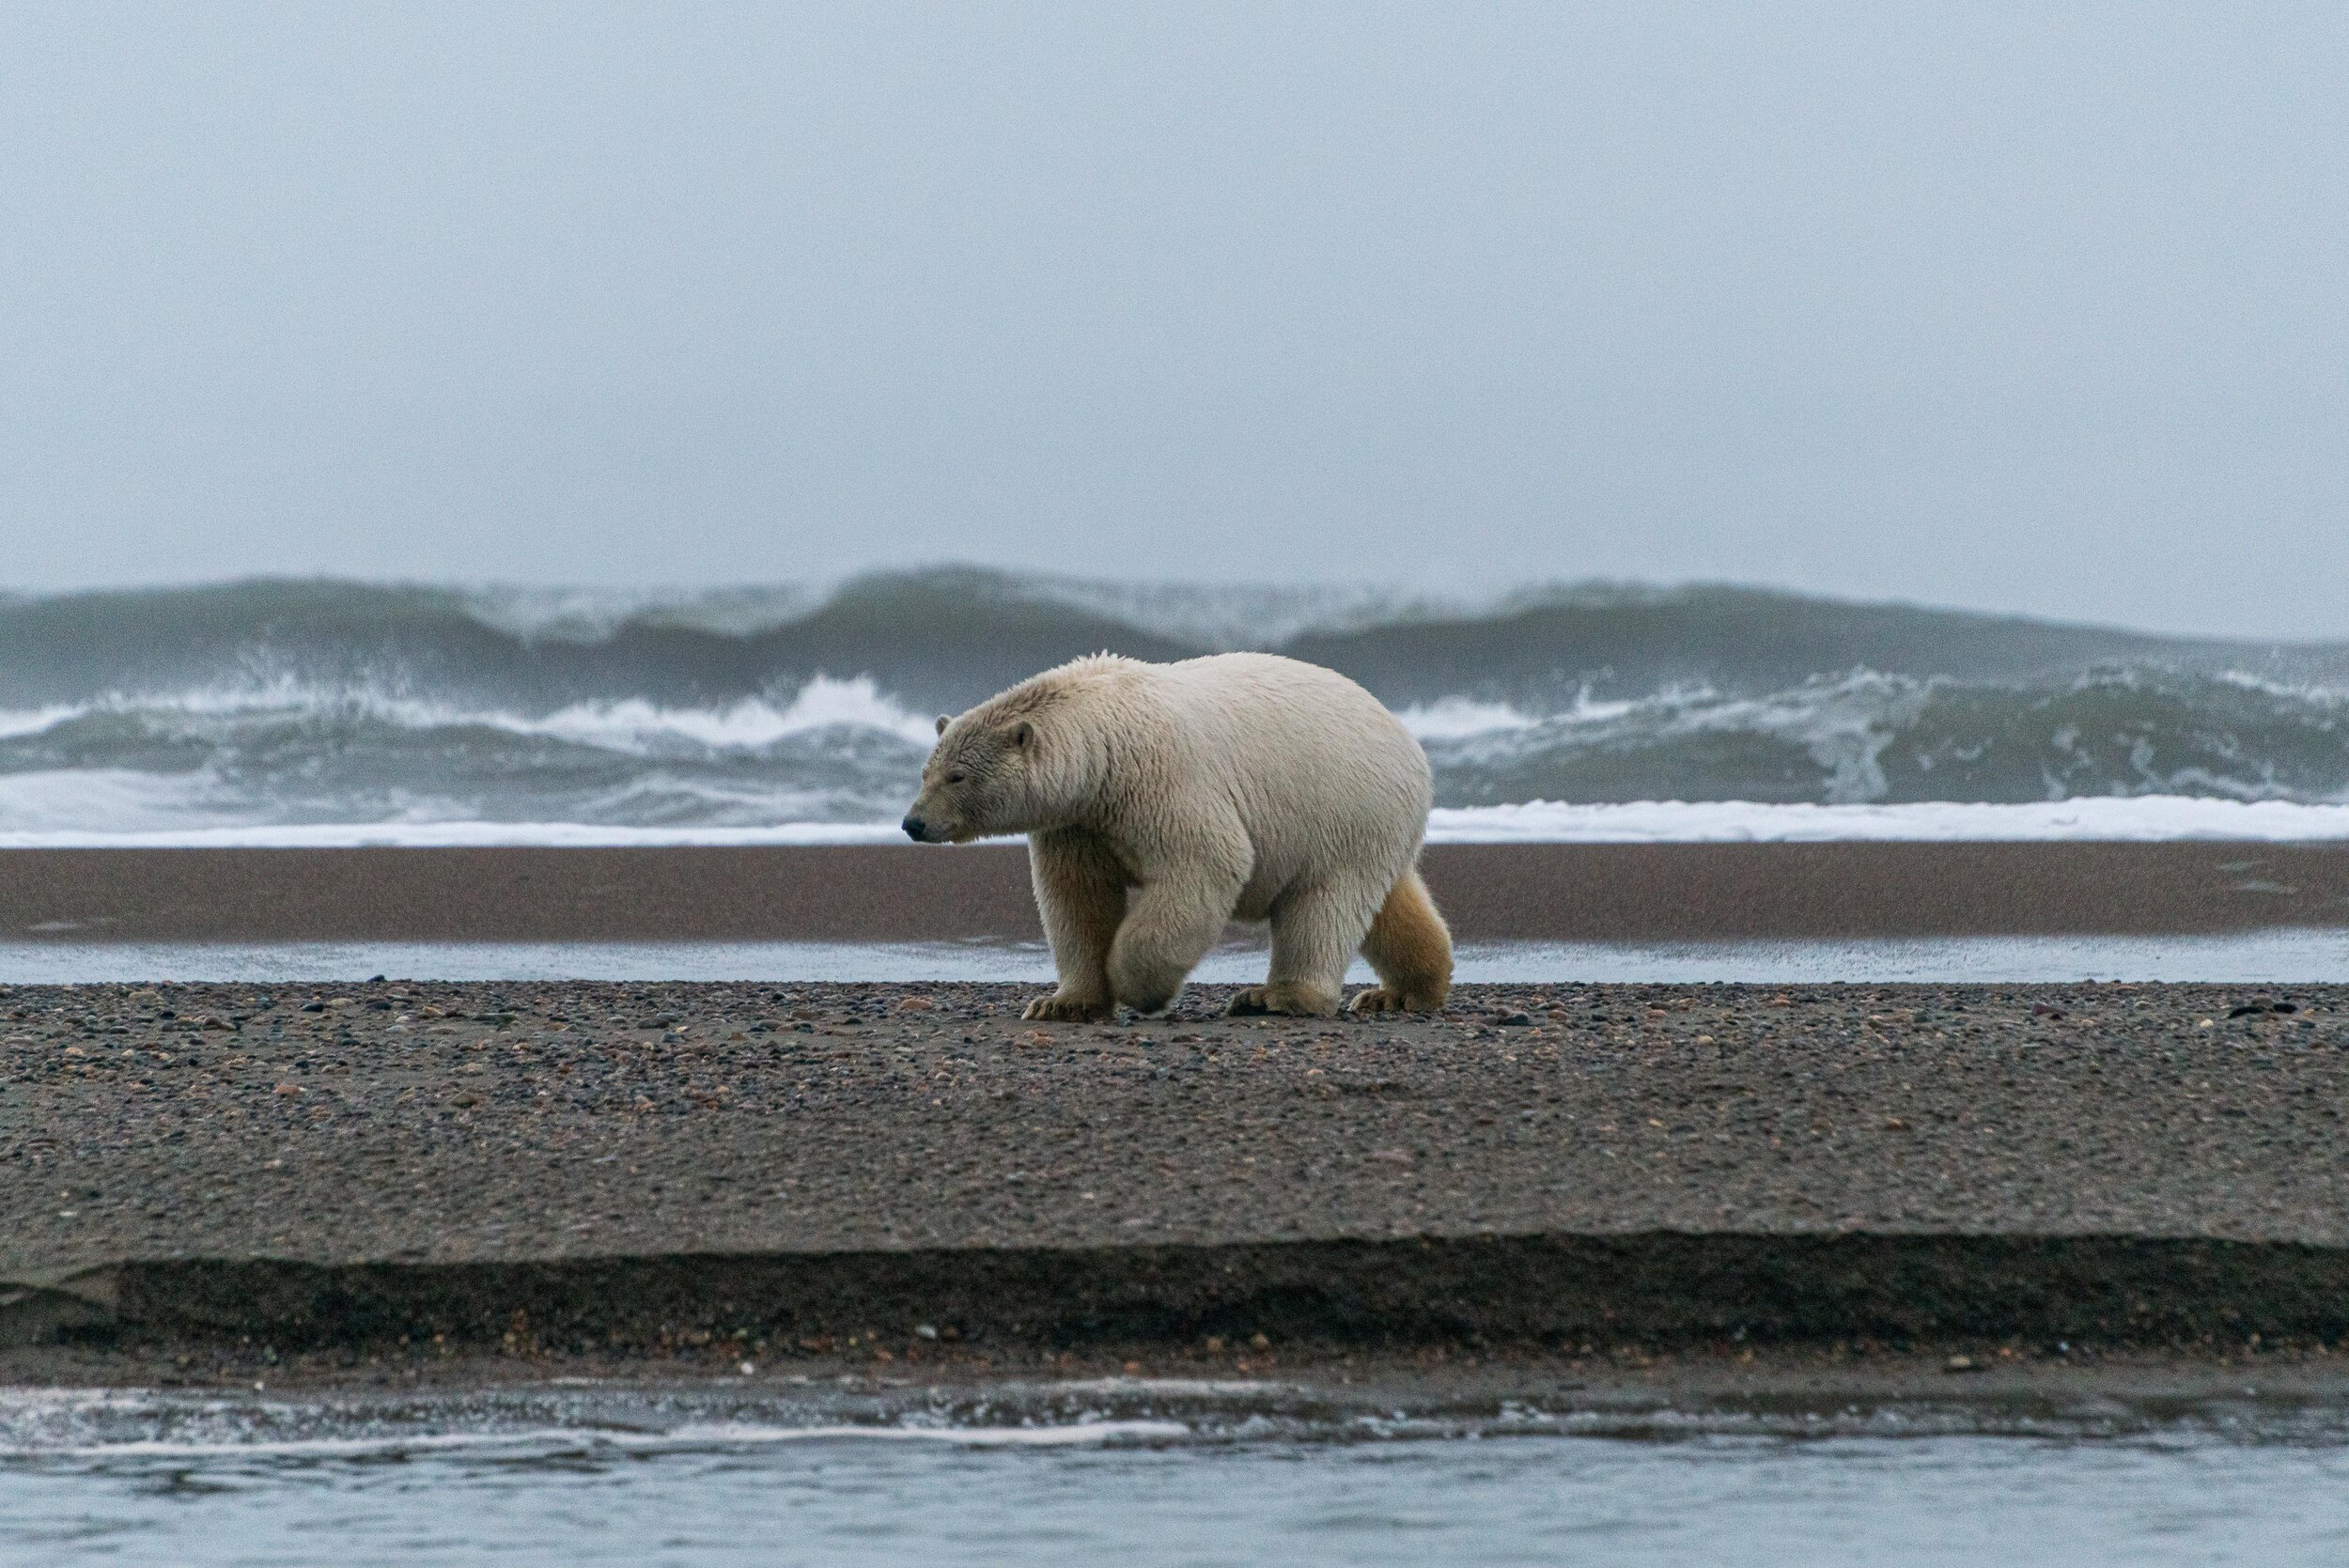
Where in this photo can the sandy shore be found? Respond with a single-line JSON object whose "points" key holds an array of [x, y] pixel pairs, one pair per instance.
{"points": [[568, 1168], [888, 892]]}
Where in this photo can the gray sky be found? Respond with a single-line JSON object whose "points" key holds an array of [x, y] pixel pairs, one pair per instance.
{"points": [[2039, 307]]}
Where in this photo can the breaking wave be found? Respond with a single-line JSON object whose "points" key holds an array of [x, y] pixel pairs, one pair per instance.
{"points": [[1867, 737], [284, 704]]}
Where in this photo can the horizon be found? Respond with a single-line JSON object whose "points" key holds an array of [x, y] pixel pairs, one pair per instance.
{"points": [[1369, 597]]}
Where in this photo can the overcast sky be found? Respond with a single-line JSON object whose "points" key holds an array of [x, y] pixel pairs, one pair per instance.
{"points": [[2036, 308]]}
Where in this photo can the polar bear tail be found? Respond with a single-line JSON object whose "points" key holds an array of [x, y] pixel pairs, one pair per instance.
{"points": [[1410, 950]]}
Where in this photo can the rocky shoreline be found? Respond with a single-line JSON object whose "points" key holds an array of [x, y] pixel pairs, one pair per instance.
{"points": [[234, 1175]]}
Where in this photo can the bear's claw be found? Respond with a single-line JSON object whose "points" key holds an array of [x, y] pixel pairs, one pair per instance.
{"points": [[1258, 1000], [1378, 999], [1060, 1009]]}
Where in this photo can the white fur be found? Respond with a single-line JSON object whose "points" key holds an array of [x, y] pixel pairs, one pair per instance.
{"points": [[1161, 800]]}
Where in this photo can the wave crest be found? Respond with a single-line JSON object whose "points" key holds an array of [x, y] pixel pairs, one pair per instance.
{"points": [[1868, 737]]}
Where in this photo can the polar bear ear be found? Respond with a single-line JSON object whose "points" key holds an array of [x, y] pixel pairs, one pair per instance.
{"points": [[943, 720], [1022, 733]]}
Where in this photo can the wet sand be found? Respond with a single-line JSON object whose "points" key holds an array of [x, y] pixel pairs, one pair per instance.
{"points": [[908, 892], [628, 1170]]}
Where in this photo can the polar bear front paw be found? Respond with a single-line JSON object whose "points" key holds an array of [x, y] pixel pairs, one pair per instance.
{"points": [[1059, 1008]]}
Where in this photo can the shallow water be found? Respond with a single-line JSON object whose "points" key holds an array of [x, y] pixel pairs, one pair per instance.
{"points": [[1189, 1476], [2282, 957]]}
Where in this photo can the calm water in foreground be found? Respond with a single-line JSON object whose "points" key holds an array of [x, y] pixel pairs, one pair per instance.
{"points": [[558, 1478]]}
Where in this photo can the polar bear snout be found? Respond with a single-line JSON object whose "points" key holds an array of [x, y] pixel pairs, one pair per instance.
{"points": [[913, 827]]}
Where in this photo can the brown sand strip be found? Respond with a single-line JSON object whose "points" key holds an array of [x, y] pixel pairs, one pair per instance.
{"points": [[580, 1164], [890, 893]]}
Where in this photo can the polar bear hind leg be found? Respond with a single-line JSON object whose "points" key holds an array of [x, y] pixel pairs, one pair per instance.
{"points": [[1315, 932], [1410, 949]]}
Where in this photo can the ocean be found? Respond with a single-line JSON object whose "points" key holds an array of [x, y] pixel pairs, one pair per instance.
{"points": [[328, 712]]}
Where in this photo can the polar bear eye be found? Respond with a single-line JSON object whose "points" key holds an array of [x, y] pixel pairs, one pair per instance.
{"points": [[956, 777]]}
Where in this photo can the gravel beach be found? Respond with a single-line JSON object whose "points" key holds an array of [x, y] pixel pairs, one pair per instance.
{"points": [[616, 1163]]}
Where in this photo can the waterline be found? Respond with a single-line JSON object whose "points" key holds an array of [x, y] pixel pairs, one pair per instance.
{"points": [[2274, 957]]}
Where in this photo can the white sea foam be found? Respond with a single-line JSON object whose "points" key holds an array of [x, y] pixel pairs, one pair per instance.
{"points": [[2109, 818], [36, 721], [622, 724], [108, 801], [750, 724], [1458, 718], [2131, 818], [541, 1439], [1845, 724], [449, 834]]}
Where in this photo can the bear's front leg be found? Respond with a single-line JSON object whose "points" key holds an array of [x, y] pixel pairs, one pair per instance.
{"points": [[1081, 894], [1170, 927]]}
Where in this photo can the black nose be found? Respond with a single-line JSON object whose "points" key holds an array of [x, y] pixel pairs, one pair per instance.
{"points": [[913, 826]]}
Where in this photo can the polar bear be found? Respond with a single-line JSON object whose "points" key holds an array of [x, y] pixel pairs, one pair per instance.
{"points": [[1161, 801]]}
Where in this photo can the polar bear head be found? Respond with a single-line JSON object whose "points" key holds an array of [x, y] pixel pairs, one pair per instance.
{"points": [[978, 781], [1026, 759]]}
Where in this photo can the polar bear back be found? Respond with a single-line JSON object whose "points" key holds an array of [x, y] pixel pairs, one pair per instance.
{"points": [[1319, 774]]}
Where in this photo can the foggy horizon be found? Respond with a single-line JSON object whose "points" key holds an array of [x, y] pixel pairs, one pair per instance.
{"points": [[1381, 599]]}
